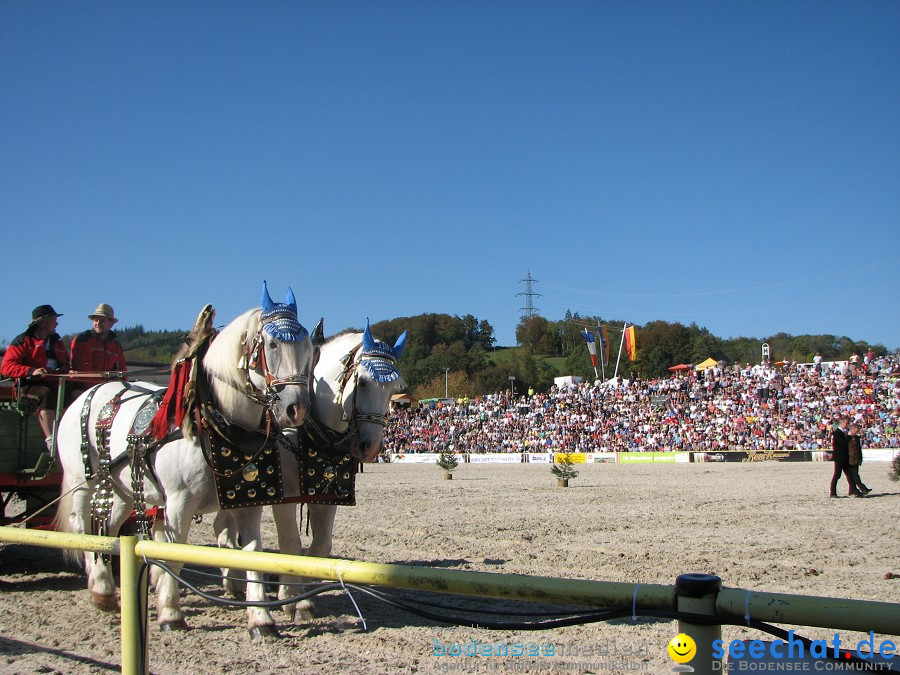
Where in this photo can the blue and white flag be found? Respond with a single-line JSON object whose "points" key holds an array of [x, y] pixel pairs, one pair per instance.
{"points": [[591, 345]]}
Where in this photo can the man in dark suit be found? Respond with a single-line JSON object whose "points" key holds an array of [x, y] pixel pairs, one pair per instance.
{"points": [[840, 455]]}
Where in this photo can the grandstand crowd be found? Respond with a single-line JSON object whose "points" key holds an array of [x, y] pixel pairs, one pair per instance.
{"points": [[763, 407]]}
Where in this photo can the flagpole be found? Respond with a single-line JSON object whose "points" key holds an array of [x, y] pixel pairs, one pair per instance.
{"points": [[602, 351], [624, 328]]}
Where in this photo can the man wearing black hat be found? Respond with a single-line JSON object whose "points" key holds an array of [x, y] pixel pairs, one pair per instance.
{"points": [[34, 353]]}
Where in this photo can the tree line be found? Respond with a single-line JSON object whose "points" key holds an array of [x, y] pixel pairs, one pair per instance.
{"points": [[459, 355], [661, 344]]}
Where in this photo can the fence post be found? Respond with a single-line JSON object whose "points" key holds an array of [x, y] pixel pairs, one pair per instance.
{"points": [[696, 594], [133, 590]]}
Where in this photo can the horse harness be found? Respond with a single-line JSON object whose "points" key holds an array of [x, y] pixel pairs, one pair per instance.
{"points": [[137, 449], [246, 469], [244, 460], [327, 469]]}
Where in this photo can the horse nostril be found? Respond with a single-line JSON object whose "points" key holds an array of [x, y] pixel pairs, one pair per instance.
{"points": [[292, 411]]}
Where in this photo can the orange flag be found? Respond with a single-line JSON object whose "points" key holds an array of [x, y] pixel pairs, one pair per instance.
{"points": [[630, 344]]}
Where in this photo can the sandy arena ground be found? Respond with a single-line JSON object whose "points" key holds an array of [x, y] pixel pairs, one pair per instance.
{"points": [[763, 526]]}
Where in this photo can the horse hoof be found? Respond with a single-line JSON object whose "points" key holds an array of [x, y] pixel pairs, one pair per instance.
{"points": [[266, 631], [105, 603], [302, 615], [173, 626]]}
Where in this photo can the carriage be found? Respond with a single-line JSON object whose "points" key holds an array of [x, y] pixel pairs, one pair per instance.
{"points": [[29, 481]]}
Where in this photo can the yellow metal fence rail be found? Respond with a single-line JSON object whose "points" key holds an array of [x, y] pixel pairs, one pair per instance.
{"points": [[730, 605]]}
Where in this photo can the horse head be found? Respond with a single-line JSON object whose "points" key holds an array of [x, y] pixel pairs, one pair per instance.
{"points": [[377, 379], [280, 360]]}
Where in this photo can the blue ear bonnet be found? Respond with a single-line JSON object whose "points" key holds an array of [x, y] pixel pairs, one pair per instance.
{"points": [[282, 324], [379, 361], [279, 320]]}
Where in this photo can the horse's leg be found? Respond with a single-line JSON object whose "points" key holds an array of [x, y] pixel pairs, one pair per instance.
{"points": [[225, 529], [321, 518], [289, 543], [100, 583], [103, 594], [260, 621], [168, 602], [158, 532]]}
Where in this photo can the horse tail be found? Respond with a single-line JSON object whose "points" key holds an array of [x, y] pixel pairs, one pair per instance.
{"points": [[62, 521]]}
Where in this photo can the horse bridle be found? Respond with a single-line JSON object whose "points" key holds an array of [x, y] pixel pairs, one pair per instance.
{"points": [[255, 356], [352, 361]]}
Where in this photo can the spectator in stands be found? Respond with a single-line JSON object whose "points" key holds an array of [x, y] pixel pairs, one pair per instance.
{"points": [[37, 352], [97, 350], [722, 412]]}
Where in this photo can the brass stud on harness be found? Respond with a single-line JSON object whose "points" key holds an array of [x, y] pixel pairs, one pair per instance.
{"points": [[250, 473]]}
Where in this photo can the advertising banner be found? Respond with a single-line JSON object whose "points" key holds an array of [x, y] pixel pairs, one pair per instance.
{"points": [[879, 454], [604, 457], [754, 456], [575, 457], [495, 458], [416, 458], [538, 458], [653, 457]]}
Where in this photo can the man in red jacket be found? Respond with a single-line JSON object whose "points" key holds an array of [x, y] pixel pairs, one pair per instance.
{"points": [[97, 350], [37, 352]]}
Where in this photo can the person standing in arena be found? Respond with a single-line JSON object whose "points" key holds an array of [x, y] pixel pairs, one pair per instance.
{"points": [[840, 455], [37, 352], [854, 459]]}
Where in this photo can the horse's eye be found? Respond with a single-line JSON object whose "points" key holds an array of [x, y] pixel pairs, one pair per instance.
{"points": [[273, 344], [363, 384]]}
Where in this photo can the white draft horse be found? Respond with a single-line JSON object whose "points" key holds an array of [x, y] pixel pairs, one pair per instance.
{"points": [[257, 371], [354, 379]]}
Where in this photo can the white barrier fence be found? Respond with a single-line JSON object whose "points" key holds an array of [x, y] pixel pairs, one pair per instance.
{"points": [[869, 455]]}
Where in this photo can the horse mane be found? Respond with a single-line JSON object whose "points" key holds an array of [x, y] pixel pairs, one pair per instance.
{"points": [[328, 367], [202, 331], [222, 358]]}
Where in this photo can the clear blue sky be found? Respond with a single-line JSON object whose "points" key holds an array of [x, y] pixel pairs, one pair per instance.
{"points": [[734, 164]]}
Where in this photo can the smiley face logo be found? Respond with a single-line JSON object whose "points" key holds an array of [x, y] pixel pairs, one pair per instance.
{"points": [[682, 648]]}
